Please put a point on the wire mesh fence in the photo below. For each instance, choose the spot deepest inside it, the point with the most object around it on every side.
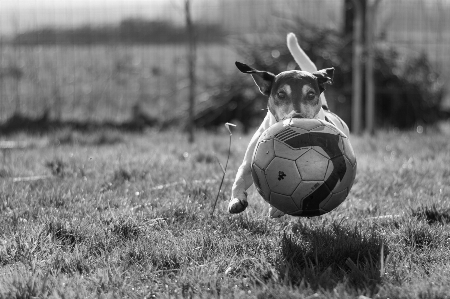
(113, 60)
(418, 26)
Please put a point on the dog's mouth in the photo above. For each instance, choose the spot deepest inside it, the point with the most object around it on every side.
(293, 115)
(296, 116)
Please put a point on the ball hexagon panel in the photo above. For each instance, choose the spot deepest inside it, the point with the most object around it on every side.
(326, 144)
(312, 201)
(283, 150)
(260, 181)
(334, 200)
(272, 131)
(341, 144)
(354, 176)
(311, 204)
(283, 203)
(312, 166)
(264, 153)
(348, 151)
(305, 123)
(294, 137)
(332, 126)
(304, 189)
(282, 176)
(340, 174)
(327, 128)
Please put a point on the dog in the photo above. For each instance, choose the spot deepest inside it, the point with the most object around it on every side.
(291, 94)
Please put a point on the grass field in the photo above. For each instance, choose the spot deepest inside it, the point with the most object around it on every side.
(129, 216)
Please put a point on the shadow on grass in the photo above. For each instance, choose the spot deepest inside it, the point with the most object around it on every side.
(324, 255)
(122, 175)
(254, 226)
(432, 214)
(127, 229)
(100, 137)
(64, 235)
(20, 123)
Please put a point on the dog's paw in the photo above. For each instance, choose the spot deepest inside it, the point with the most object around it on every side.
(237, 205)
(275, 213)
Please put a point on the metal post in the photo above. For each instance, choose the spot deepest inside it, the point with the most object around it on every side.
(370, 81)
(357, 86)
(191, 56)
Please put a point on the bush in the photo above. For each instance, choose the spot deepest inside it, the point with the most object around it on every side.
(408, 90)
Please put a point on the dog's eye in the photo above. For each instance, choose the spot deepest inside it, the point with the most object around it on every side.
(281, 94)
(311, 95)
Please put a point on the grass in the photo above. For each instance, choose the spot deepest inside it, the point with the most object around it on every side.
(128, 215)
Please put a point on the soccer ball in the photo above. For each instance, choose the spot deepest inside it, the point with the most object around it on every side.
(303, 167)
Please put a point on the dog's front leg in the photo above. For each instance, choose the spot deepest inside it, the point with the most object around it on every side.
(244, 179)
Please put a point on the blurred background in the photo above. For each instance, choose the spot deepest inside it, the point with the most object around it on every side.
(147, 63)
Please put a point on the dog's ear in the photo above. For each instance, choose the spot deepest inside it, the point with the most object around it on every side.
(263, 79)
(323, 77)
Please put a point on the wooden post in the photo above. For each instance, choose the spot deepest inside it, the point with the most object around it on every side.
(15, 71)
(371, 7)
(191, 56)
(357, 64)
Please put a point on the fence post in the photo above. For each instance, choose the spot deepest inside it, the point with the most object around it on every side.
(371, 7)
(357, 65)
(191, 56)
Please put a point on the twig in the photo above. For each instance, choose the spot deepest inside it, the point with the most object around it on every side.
(220, 164)
(227, 125)
(164, 186)
(385, 217)
(31, 178)
(382, 260)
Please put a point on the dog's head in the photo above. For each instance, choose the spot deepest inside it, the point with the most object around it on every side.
(291, 93)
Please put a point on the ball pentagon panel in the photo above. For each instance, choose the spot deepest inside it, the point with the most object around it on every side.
(334, 200)
(282, 176)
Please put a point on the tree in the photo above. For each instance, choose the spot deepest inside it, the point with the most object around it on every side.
(359, 24)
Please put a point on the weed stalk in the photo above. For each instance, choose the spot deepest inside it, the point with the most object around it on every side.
(224, 170)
